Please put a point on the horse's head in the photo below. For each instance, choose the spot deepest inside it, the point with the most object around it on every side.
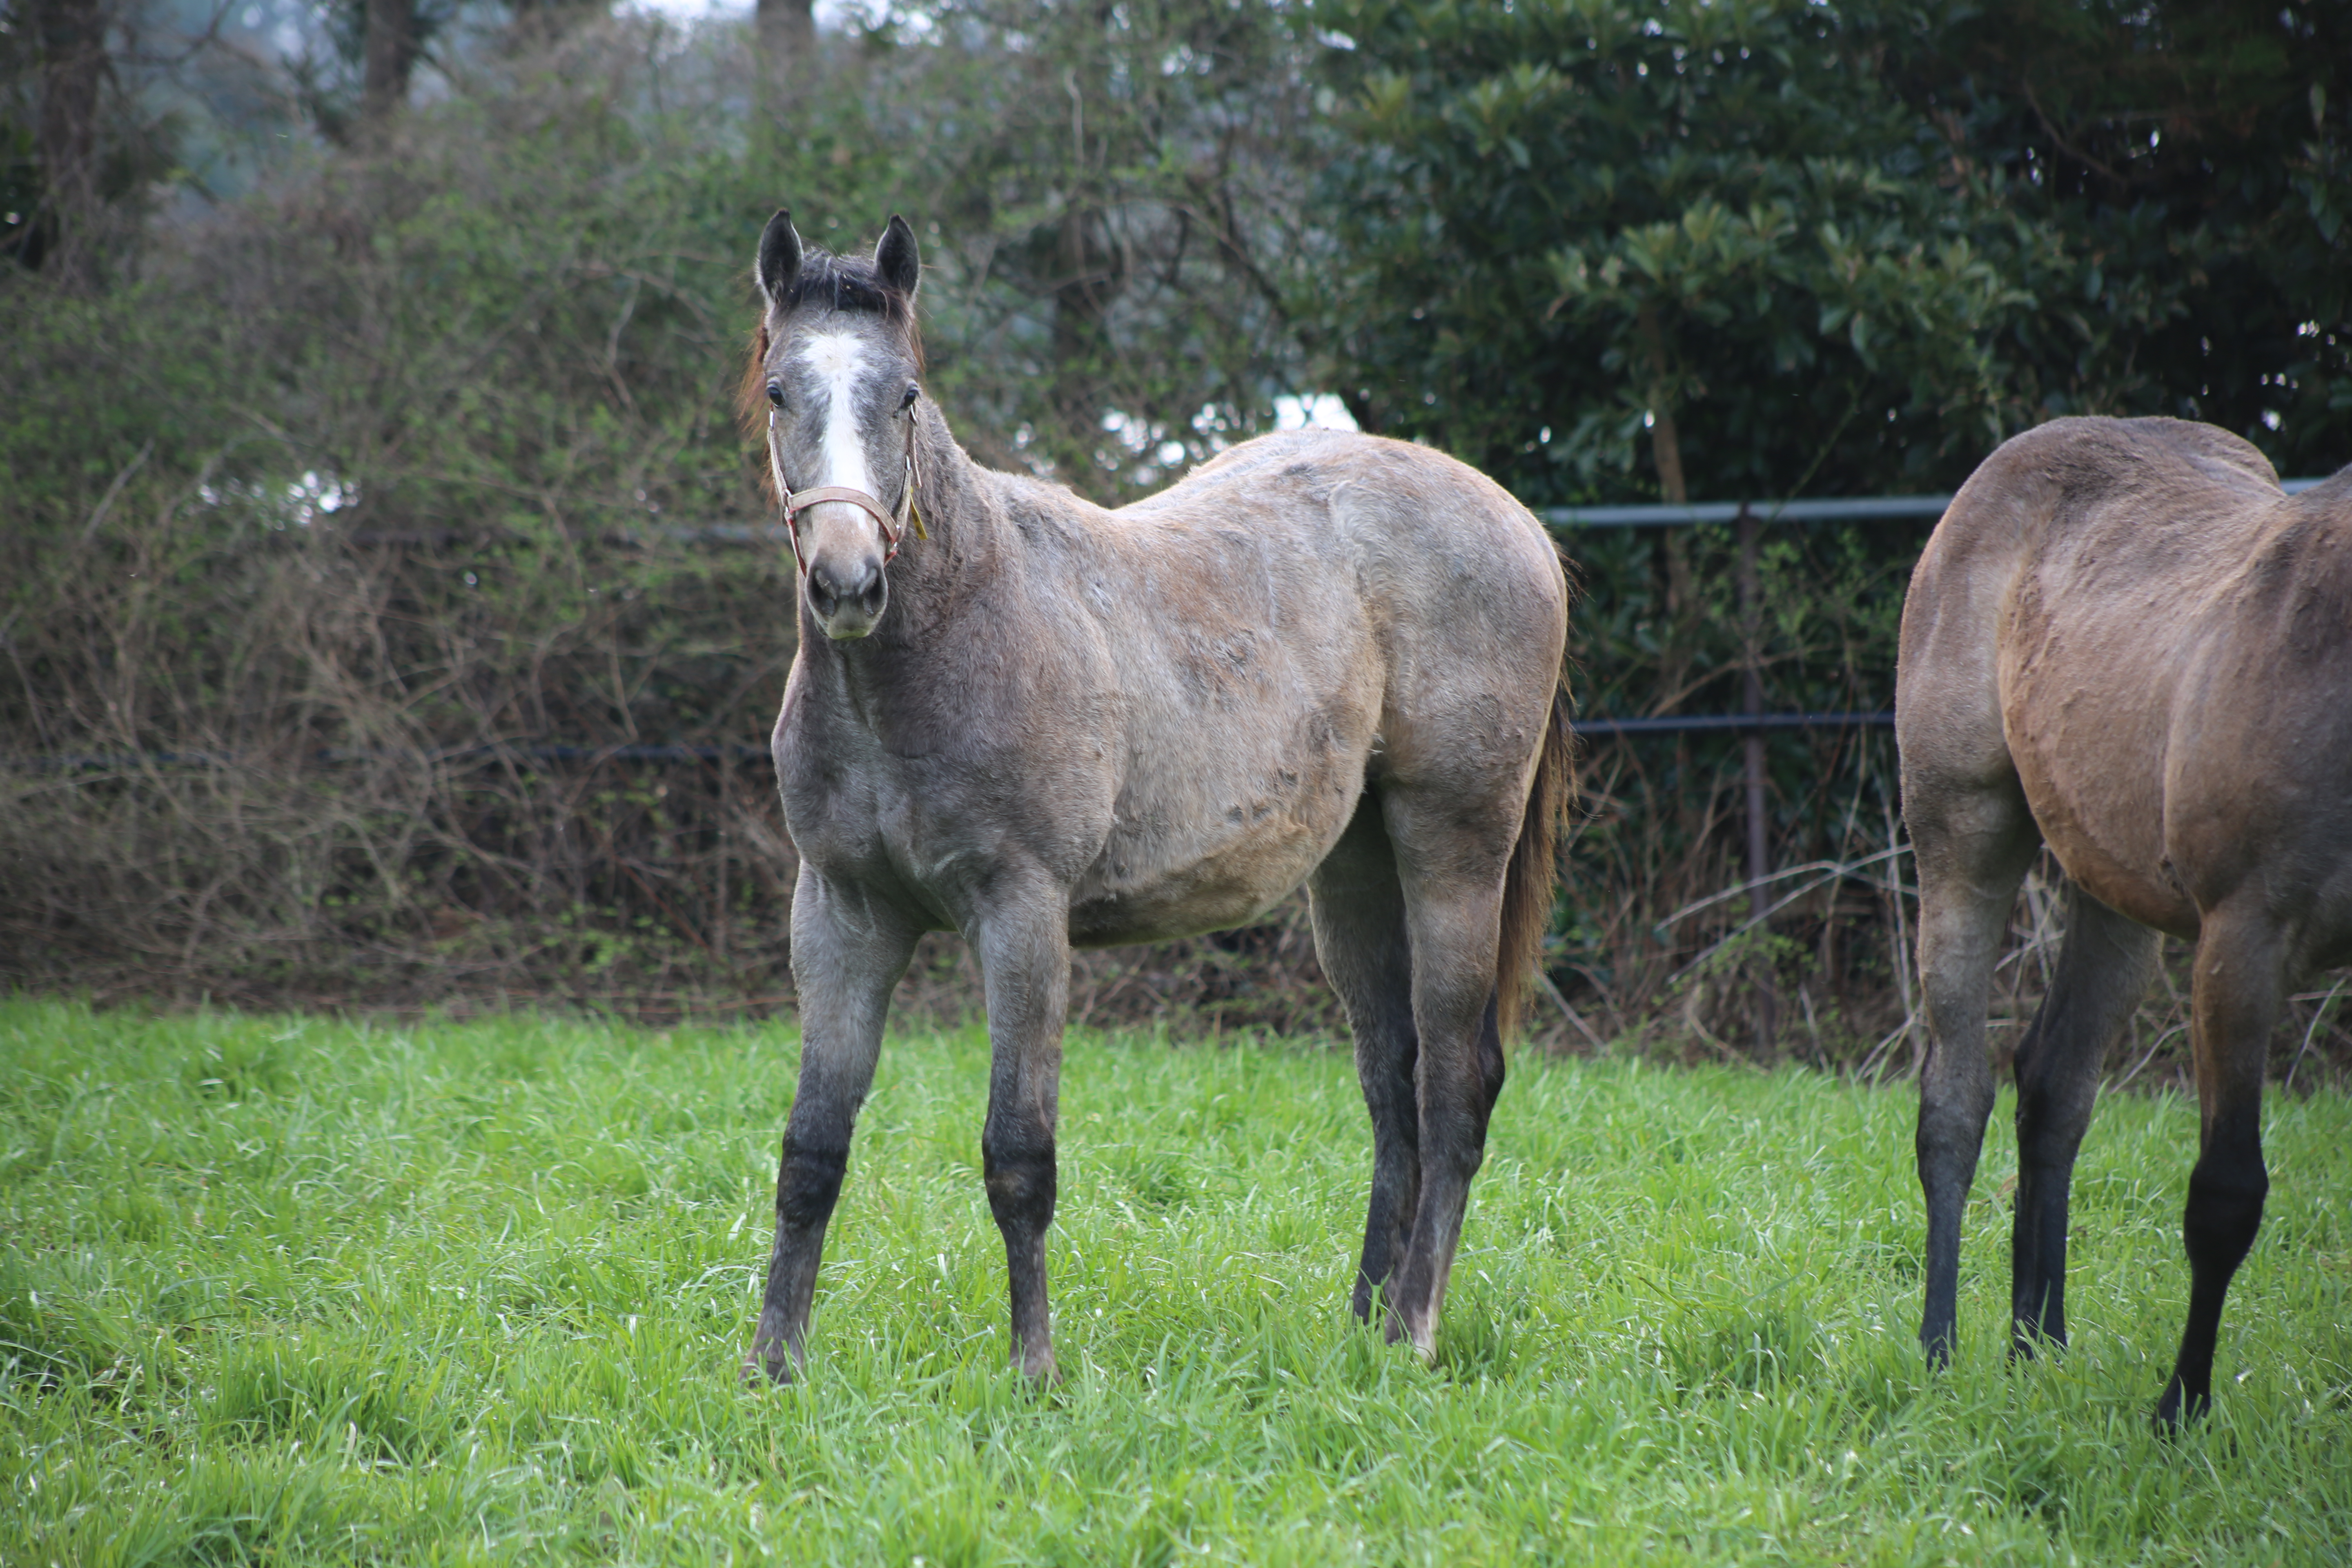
(833, 385)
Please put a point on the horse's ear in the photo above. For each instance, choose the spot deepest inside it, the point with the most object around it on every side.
(779, 258)
(898, 258)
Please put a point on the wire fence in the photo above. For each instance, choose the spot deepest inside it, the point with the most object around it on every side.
(1562, 520)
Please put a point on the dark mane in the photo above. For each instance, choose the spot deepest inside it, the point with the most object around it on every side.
(846, 283)
(836, 283)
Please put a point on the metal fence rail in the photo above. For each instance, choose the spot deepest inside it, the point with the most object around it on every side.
(1748, 515)
(1832, 509)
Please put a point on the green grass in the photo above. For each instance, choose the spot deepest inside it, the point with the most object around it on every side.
(295, 1290)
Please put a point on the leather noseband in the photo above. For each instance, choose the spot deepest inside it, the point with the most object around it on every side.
(894, 525)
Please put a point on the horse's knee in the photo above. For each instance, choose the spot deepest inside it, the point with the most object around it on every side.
(1454, 1135)
(2224, 1210)
(808, 1184)
(1019, 1164)
(1952, 1117)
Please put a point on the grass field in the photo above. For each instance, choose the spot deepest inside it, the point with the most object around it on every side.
(292, 1290)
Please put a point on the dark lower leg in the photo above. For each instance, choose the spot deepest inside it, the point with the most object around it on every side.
(1455, 1099)
(1026, 959)
(2225, 1210)
(1416, 1292)
(2233, 1002)
(1359, 936)
(1951, 1137)
(847, 955)
(1388, 1218)
(1019, 1159)
(1972, 845)
(808, 1184)
(2103, 970)
(2037, 1253)
(1384, 1065)
(1454, 1117)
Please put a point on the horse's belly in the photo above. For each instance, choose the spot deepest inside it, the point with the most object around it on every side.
(1155, 880)
(2090, 755)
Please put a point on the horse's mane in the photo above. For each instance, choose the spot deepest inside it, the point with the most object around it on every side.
(835, 283)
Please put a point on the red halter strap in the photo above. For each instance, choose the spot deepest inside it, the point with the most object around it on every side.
(894, 528)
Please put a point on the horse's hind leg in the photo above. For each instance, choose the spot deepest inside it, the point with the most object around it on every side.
(1022, 940)
(1450, 866)
(1359, 935)
(1973, 840)
(2233, 1005)
(847, 953)
(2102, 969)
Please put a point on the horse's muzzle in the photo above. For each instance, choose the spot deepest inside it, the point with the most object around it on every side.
(849, 598)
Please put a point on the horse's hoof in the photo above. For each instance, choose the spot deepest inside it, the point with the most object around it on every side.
(1041, 1369)
(2177, 1409)
(763, 1370)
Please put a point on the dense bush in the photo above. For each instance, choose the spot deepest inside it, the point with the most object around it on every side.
(374, 541)
(392, 611)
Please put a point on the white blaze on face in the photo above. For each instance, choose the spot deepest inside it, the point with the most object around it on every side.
(837, 360)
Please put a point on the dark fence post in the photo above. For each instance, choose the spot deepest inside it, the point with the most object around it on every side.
(1751, 699)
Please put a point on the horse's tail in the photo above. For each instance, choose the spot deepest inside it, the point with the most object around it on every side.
(1534, 874)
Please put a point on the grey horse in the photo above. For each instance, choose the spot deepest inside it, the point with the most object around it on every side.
(2124, 640)
(1321, 657)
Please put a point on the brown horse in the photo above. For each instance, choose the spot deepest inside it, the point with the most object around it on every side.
(1320, 657)
(2125, 641)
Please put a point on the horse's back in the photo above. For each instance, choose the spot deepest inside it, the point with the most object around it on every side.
(1462, 589)
(1305, 614)
(2109, 610)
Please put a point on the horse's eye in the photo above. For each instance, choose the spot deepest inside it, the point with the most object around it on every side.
(913, 392)
(776, 393)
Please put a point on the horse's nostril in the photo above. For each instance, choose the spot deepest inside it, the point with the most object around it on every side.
(862, 585)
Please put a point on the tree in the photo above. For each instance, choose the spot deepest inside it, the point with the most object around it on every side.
(72, 41)
(1116, 185)
(392, 44)
(1811, 244)
(783, 34)
(2199, 143)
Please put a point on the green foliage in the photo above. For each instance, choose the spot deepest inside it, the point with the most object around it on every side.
(1843, 247)
(2196, 154)
(1808, 248)
(418, 455)
(477, 1293)
(1116, 191)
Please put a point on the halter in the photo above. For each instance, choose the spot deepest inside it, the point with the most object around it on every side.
(894, 525)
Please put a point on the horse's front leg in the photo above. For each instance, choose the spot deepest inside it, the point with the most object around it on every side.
(848, 952)
(1024, 942)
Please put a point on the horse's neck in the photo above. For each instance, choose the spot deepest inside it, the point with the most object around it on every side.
(959, 501)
